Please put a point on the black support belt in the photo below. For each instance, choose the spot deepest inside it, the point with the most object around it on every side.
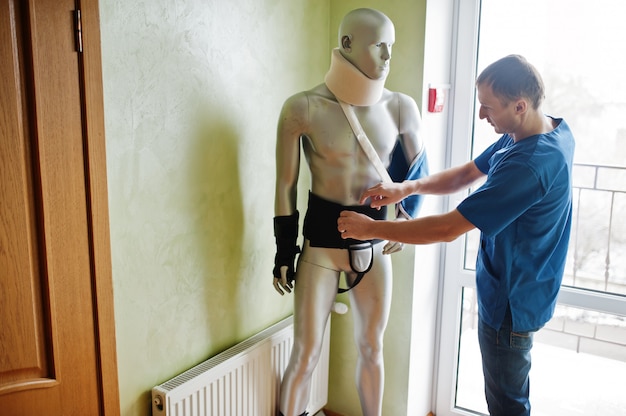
(320, 222)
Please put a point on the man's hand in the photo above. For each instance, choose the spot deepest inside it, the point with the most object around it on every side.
(354, 225)
(360, 227)
(385, 194)
(283, 285)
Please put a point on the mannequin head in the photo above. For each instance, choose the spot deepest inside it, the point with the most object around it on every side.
(365, 40)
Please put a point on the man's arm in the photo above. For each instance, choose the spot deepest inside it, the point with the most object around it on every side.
(424, 230)
(442, 183)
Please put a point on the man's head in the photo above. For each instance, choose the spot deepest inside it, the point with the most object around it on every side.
(365, 40)
(512, 78)
(509, 91)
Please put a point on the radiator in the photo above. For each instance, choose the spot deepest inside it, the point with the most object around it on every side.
(244, 380)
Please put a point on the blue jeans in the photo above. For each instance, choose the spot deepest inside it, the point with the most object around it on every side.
(506, 364)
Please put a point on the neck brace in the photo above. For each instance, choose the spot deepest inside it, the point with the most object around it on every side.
(349, 84)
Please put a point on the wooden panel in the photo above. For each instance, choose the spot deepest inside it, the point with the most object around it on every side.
(23, 341)
(59, 140)
(93, 111)
(57, 326)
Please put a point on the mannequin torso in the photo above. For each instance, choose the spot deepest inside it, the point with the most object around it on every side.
(340, 170)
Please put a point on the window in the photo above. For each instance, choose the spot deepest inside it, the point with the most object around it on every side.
(580, 355)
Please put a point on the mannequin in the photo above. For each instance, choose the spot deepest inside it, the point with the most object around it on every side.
(340, 172)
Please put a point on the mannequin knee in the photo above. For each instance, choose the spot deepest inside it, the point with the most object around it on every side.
(371, 351)
(305, 357)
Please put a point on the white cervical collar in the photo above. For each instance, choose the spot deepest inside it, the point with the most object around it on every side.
(349, 84)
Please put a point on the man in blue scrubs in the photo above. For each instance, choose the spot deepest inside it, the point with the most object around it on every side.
(523, 211)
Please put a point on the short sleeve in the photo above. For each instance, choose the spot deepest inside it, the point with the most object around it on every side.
(483, 160)
(508, 192)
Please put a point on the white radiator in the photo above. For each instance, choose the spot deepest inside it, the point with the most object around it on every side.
(244, 380)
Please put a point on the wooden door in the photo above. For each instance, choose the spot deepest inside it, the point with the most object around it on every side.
(57, 348)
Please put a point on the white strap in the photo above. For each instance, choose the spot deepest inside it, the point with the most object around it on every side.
(364, 141)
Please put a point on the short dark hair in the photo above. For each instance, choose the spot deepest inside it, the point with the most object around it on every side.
(513, 77)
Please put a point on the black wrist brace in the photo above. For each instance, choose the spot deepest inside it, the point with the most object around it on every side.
(286, 233)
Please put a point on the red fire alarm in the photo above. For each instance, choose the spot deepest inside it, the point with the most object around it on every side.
(437, 97)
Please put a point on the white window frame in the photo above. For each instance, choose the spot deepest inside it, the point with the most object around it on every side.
(461, 118)
(465, 42)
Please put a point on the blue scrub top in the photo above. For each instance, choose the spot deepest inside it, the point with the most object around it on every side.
(524, 213)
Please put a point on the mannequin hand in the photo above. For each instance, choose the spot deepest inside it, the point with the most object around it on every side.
(282, 285)
(393, 247)
(286, 234)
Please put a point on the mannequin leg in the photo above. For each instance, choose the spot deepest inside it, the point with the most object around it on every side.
(315, 291)
(371, 302)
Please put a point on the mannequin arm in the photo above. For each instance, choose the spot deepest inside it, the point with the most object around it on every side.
(290, 128)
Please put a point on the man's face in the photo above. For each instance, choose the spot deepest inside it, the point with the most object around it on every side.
(370, 50)
(501, 116)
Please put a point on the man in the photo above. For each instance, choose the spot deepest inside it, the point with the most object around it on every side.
(340, 172)
(523, 211)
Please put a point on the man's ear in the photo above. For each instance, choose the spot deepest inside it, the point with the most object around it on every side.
(521, 106)
(346, 42)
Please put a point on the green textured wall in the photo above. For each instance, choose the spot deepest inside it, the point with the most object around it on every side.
(193, 90)
(192, 95)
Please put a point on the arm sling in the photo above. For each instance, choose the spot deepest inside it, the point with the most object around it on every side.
(362, 254)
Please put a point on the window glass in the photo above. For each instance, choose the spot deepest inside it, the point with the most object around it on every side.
(579, 358)
(577, 46)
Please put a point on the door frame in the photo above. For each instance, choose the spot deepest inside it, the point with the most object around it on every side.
(465, 23)
(90, 70)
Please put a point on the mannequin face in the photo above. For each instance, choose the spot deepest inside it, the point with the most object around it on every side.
(369, 49)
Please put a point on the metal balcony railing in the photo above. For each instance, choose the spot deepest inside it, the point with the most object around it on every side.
(597, 251)
(596, 258)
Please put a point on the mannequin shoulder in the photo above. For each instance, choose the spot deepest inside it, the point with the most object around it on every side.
(300, 102)
(401, 104)
(402, 100)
